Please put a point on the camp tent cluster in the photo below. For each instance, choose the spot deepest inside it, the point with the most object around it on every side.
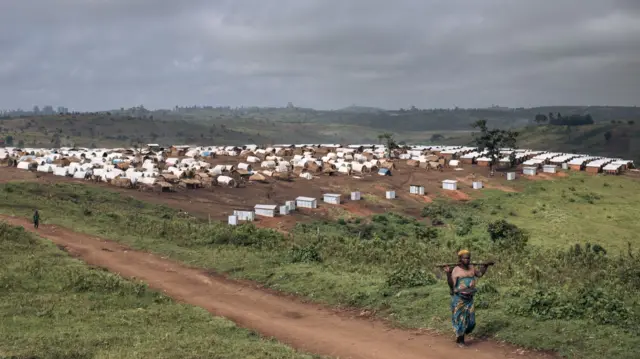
(183, 166)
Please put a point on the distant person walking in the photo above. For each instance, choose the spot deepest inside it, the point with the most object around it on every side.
(36, 219)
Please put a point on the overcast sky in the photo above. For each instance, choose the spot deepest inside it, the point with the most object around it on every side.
(102, 54)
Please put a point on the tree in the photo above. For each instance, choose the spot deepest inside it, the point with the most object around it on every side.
(493, 140)
(607, 136)
(8, 140)
(55, 140)
(389, 141)
(540, 118)
(589, 119)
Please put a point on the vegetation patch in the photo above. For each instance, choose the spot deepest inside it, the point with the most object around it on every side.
(54, 306)
(549, 289)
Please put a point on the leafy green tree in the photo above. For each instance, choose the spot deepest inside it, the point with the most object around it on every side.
(388, 140)
(8, 140)
(492, 140)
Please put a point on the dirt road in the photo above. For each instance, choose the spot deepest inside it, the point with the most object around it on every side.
(307, 327)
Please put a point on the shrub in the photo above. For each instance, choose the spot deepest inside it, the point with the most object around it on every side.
(305, 254)
(410, 277)
(506, 235)
(587, 303)
(425, 233)
(464, 225)
(437, 210)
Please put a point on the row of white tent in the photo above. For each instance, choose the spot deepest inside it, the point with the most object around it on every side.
(571, 159)
(343, 157)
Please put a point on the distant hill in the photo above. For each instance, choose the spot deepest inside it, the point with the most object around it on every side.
(354, 124)
(111, 130)
(361, 109)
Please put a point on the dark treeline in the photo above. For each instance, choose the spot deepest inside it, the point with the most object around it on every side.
(560, 120)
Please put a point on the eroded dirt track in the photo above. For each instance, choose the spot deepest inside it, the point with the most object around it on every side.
(304, 326)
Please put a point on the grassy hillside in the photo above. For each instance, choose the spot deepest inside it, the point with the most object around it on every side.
(351, 125)
(54, 306)
(565, 250)
(112, 130)
(619, 139)
(400, 120)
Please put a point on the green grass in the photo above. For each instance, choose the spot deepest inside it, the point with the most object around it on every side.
(54, 306)
(540, 295)
(576, 209)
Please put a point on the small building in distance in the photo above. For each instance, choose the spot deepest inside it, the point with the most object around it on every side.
(306, 202)
(266, 210)
(451, 185)
(244, 215)
(284, 210)
(613, 168)
(332, 198)
(416, 189)
(483, 161)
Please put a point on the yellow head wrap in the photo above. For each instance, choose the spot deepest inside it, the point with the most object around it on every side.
(463, 252)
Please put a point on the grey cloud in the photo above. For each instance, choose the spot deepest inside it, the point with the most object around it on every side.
(97, 54)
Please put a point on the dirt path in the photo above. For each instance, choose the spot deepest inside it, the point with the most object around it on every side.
(307, 327)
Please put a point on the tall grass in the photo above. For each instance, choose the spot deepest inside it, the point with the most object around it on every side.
(578, 299)
(54, 306)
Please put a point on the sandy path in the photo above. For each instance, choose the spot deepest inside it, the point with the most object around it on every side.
(304, 326)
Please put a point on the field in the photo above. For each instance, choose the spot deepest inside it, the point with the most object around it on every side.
(565, 246)
(54, 306)
(557, 200)
(220, 202)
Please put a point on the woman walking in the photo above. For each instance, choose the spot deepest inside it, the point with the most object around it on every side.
(462, 281)
(36, 219)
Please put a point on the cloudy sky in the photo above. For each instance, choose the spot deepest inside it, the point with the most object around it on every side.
(101, 54)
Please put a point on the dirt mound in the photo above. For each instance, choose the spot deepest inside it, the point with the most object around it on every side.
(458, 195)
(356, 208)
(282, 224)
(427, 199)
